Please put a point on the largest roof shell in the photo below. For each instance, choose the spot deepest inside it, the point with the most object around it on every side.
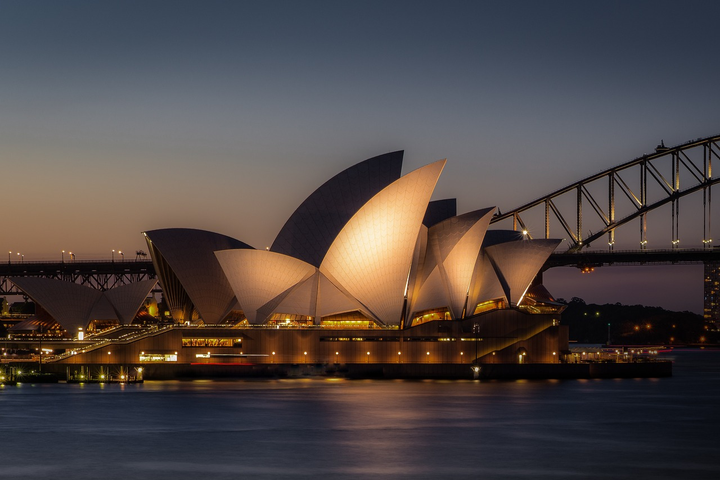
(372, 255)
(312, 228)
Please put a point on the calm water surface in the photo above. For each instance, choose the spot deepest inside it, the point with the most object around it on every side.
(308, 428)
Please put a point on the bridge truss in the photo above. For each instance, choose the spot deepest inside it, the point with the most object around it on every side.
(651, 190)
(101, 275)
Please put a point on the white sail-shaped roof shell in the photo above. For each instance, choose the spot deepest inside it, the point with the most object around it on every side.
(103, 310)
(516, 264)
(127, 299)
(189, 256)
(332, 300)
(485, 284)
(68, 303)
(456, 243)
(372, 255)
(258, 277)
(433, 293)
(311, 229)
(302, 300)
(417, 270)
(73, 305)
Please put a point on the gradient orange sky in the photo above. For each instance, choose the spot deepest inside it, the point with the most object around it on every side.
(119, 117)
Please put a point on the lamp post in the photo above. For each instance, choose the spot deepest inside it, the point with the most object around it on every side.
(40, 330)
(475, 331)
(122, 255)
(62, 256)
(113, 256)
(9, 253)
(608, 341)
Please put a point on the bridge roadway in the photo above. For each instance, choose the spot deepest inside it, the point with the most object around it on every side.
(597, 258)
(99, 274)
(103, 274)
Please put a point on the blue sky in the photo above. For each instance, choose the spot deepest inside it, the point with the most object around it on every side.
(119, 117)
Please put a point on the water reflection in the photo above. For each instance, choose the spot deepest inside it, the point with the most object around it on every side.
(332, 427)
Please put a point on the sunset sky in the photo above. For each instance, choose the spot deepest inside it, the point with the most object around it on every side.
(119, 117)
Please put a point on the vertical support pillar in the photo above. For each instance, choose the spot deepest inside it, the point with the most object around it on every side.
(611, 209)
(707, 196)
(676, 201)
(579, 215)
(547, 218)
(705, 238)
(643, 202)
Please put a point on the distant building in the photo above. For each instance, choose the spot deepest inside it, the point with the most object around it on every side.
(711, 290)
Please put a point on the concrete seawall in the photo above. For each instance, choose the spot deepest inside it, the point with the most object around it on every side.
(393, 371)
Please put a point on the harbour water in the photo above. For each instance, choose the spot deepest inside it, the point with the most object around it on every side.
(329, 428)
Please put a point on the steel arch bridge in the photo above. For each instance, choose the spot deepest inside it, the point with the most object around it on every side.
(651, 190)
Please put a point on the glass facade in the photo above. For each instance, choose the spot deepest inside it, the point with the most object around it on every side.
(352, 319)
(431, 315)
(158, 357)
(211, 342)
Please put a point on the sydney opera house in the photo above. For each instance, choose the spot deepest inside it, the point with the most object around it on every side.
(366, 270)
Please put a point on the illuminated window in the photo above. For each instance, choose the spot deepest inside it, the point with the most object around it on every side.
(158, 357)
(211, 342)
(354, 320)
(430, 316)
(488, 306)
(290, 320)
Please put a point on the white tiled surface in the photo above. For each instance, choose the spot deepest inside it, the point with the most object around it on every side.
(259, 276)
(372, 254)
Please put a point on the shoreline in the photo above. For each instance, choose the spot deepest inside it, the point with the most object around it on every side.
(390, 371)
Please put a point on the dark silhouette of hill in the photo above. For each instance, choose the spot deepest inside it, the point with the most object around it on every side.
(635, 325)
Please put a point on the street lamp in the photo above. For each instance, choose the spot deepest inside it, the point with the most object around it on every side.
(476, 327)
(62, 256)
(9, 257)
(608, 342)
(122, 255)
(113, 255)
